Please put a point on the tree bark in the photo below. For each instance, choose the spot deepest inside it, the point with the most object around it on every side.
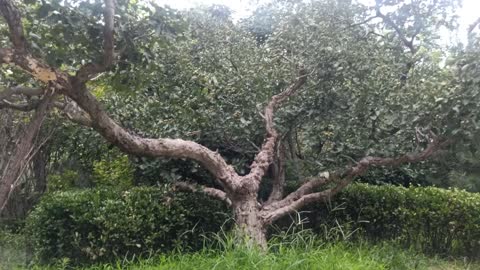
(23, 150)
(249, 223)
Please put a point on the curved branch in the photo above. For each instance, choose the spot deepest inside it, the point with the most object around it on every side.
(20, 90)
(89, 70)
(265, 157)
(24, 107)
(14, 21)
(473, 26)
(401, 35)
(303, 195)
(74, 113)
(308, 187)
(212, 192)
(23, 149)
(130, 143)
(278, 175)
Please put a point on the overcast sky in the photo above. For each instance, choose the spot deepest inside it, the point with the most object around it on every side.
(242, 8)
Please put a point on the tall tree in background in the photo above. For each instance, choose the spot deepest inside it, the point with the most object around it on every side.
(336, 69)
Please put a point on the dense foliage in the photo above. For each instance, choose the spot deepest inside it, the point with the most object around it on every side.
(429, 219)
(101, 225)
(197, 75)
(380, 83)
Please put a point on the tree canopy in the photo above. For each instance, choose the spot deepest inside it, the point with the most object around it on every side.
(300, 94)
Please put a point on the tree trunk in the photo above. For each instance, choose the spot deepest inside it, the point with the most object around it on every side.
(249, 224)
(23, 150)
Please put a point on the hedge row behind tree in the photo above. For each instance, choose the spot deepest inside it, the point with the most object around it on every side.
(99, 225)
(429, 219)
(104, 225)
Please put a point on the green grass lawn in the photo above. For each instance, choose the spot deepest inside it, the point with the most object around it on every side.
(327, 256)
(295, 251)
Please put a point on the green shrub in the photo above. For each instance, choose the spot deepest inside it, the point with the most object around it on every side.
(12, 248)
(429, 219)
(101, 225)
(115, 172)
(63, 181)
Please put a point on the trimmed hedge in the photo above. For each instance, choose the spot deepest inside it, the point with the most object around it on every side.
(433, 220)
(102, 225)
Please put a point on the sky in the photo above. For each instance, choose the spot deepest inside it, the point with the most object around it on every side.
(468, 13)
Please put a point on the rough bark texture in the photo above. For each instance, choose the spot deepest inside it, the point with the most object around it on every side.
(23, 151)
(249, 224)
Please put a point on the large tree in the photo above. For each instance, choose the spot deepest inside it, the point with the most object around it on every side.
(336, 80)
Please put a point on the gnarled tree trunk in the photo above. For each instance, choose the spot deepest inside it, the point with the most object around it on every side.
(249, 224)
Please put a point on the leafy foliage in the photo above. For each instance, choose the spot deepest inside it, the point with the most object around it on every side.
(429, 219)
(101, 225)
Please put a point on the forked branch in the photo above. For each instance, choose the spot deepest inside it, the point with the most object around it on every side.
(305, 194)
(212, 192)
(266, 155)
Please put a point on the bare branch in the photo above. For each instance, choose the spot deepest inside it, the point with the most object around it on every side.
(278, 181)
(23, 150)
(14, 21)
(74, 113)
(473, 25)
(303, 195)
(361, 23)
(265, 157)
(20, 90)
(24, 107)
(133, 144)
(213, 192)
(108, 14)
(401, 35)
(308, 187)
(296, 205)
(89, 70)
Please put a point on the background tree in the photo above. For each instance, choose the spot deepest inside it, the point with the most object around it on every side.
(200, 73)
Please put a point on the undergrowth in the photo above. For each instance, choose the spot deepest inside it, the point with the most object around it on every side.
(301, 250)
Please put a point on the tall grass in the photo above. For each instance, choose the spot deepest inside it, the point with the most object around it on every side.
(300, 250)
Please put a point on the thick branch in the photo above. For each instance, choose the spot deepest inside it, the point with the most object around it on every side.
(74, 113)
(401, 35)
(23, 149)
(108, 14)
(308, 187)
(130, 143)
(265, 157)
(473, 25)
(212, 192)
(20, 90)
(89, 70)
(14, 21)
(303, 195)
(24, 107)
(278, 175)
(29, 64)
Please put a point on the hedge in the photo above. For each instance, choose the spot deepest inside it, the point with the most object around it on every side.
(103, 225)
(433, 220)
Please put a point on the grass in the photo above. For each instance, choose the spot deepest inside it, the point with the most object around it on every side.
(300, 251)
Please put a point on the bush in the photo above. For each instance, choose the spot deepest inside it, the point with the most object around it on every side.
(101, 225)
(12, 248)
(104, 225)
(429, 219)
